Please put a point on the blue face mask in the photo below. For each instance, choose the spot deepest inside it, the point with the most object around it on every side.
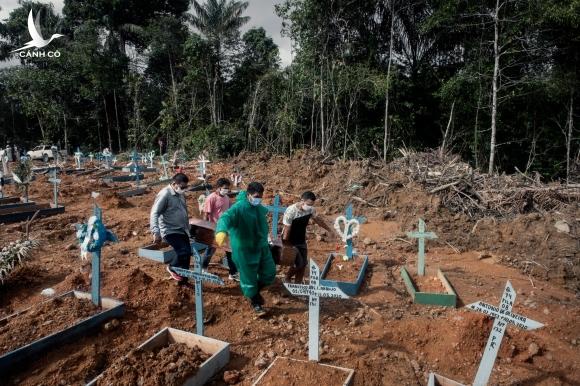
(255, 201)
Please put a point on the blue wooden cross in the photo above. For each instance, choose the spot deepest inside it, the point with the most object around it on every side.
(314, 291)
(92, 236)
(55, 181)
(199, 277)
(361, 220)
(276, 209)
(421, 235)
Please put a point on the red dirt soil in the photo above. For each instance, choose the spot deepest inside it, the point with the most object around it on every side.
(171, 365)
(42, 320)
(299, 373)
(380, 333)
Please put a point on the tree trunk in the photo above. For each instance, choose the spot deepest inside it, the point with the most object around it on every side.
(65, 133)
(108, 124)
(386, 138)
(322, 136)
(494, 89)
(446, 135)
(569, 136)
(117, 120)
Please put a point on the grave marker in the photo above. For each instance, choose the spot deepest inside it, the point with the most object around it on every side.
(422, 236)
(55, 181)
(314, 291)
(198, 276)
(107, 158)
(135, 166)
(91, 156)
(151, 158)
(351, 228)
(78, 159)
(164, 163)
(503, 316)
(92, 236)
(276, 209)
(202, 168)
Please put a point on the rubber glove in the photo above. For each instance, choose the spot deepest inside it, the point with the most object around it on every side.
(220, 238)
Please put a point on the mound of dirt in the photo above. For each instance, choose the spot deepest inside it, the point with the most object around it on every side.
(170, 365)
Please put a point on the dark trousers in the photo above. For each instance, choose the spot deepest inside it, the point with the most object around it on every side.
(209, 252)
(182, 247)
(300, 264)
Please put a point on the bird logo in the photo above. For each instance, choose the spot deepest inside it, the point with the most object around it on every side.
(37, 40)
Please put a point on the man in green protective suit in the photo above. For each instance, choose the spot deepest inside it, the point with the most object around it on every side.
(247, 227)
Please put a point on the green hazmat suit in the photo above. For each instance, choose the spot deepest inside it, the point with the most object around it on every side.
(247, 227)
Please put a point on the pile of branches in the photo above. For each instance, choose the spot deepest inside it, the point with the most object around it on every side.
(467, 190)
(14, 254)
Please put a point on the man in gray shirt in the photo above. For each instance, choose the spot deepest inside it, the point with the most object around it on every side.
(169, 221)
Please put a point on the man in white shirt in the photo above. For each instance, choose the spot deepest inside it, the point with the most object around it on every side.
(296, 219)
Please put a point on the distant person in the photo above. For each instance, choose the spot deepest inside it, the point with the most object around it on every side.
(8, 153)
(169, 221)
(247, 227)
(214, 206)
(296, 219)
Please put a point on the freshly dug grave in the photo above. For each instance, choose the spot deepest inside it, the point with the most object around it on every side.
(43, 320)
(429, 284)
(300, 373)
(346, 271)
(170, 365)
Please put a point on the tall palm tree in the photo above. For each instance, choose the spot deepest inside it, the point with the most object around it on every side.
(219, 21)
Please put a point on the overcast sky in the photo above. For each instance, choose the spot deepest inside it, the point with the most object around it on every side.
(261, 12)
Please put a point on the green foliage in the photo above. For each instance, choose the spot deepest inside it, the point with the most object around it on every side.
(217, 141)
(133, 72)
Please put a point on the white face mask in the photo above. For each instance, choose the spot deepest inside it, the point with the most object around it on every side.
(255, 201)
(224, 192)
(178, 190)
(306, 207)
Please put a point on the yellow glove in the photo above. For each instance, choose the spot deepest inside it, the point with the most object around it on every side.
(220, 238)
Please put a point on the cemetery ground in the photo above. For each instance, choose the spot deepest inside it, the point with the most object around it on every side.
(380, 333)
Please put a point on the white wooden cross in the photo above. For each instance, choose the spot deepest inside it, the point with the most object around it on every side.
(421, 235)
(5, 168)
(202, 161)
(503, 316)
(314, 291)
(151, 158)
(78, 158)
(164, 164)
(55, 181)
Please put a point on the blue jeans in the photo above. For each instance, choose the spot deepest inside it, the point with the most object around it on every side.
(182, 247)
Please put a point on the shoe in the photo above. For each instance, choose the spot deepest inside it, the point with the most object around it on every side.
(173, 275)
(259, 299)
(258, 310)
(234, 277)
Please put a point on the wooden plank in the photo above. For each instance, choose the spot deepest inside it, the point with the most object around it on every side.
(133, 192)
(219, 351)
(349, 373)
(448, 299)
(155, 252)
(9, 200)
(408, 282)
(17, 205)
(439, 380)
(15, 359)
(23, 213)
